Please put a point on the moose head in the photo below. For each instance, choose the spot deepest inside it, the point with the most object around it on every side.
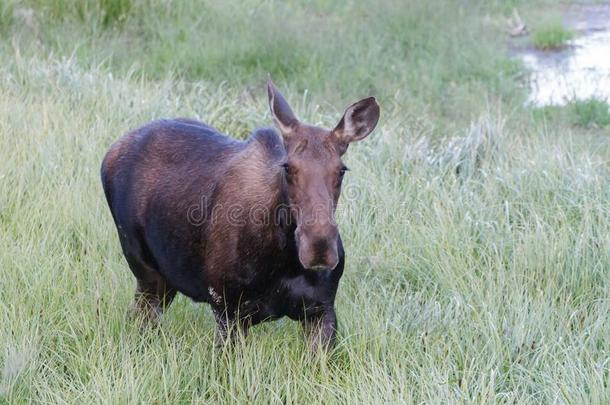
(313, 173)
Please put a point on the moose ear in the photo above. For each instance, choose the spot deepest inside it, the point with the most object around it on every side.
(284, 118)
(357, 122)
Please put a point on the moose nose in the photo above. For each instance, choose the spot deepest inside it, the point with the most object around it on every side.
(317, 253)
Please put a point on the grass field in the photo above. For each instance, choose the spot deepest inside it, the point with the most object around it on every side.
(477, 231)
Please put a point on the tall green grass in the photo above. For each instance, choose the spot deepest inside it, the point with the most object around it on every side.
(551, 35)
(590, 113)
(477, 238)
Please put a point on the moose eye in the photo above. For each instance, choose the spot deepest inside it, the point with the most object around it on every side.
(343, 170)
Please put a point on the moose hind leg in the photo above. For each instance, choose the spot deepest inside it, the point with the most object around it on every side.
(229, 328)
(152, 298)
(153, 294)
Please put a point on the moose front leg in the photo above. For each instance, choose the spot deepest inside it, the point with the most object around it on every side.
(228, 327)
(321, 329)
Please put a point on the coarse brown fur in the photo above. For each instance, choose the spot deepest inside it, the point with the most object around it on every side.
(247, 226)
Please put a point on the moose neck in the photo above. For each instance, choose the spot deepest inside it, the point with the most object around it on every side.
(284, 217)
(254, 182)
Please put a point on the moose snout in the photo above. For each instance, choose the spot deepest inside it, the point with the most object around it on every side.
(318, 252)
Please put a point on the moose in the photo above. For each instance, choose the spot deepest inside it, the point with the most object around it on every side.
(246, 226)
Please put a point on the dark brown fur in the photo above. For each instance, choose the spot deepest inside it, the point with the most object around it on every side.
(245, 226)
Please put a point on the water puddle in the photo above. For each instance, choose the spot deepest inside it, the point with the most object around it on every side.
(579, 71)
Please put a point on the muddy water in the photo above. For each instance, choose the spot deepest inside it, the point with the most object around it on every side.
(579, 71)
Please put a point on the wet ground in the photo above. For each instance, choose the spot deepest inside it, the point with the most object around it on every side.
(581, 70)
